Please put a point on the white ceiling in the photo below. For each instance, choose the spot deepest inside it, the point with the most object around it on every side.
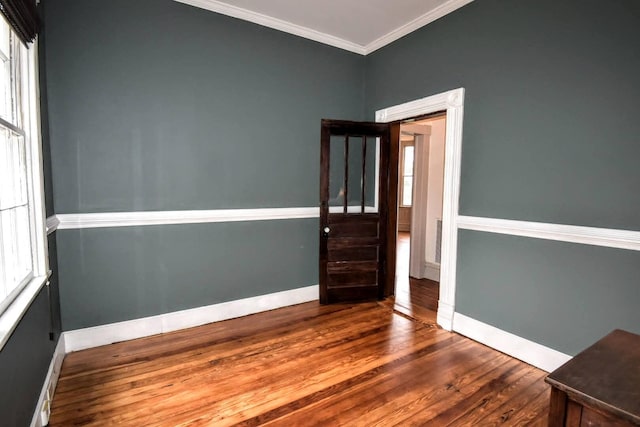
(360, 26)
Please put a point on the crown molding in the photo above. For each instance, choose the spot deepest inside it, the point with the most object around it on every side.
(276, 24)
(308, 33)
(419, 22)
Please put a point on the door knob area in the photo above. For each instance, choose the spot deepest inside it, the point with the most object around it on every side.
(326, 230)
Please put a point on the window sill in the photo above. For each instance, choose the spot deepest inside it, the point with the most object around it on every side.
(10, 318)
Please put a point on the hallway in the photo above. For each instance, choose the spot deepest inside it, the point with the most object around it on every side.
(417, 298)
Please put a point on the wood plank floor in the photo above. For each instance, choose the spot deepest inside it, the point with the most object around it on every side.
(416, 298)
(305, 365)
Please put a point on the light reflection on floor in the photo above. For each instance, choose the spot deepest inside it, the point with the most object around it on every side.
(415, 298)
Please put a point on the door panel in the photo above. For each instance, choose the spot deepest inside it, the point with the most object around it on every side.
(353, 253)
(356, 226)
(362, 278)
(355, 231)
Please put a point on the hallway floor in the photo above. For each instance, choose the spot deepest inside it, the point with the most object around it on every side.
(417, 298)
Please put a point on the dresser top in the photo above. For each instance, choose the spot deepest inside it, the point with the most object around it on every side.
(605, 375)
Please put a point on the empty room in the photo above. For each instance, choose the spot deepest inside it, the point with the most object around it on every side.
(208, 214)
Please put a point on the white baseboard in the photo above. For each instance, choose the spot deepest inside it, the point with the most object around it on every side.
(445, 315)
(530, 352)
(431, 271)
(80, 339)
(41, 413)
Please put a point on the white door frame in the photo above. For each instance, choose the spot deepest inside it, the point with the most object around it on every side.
(453, 103)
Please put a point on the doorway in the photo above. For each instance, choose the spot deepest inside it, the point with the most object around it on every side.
(453, 103)
(420, 196)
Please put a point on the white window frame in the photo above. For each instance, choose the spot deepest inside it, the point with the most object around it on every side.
(11, 316)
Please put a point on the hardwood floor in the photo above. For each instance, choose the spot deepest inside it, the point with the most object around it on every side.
(416, 298)
(305, 365)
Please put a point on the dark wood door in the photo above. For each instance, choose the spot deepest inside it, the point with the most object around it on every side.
(358, 210)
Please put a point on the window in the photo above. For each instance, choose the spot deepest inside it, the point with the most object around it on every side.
(406, 182)
(22, 249)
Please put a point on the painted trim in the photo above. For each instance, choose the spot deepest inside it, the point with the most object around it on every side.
(318, 36)
(15, 311)
(453, 103)
(612, 238)
(35, 179)
(129, 219)
(431, 271)
(607, 237)
(80, 339)
(52, 224)
(429, 17)
(530, 352)
(418, 247)
(276, 24)
(444, 317)
(41, 414)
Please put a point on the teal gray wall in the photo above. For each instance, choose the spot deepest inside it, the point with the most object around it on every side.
(550, 125)
(550, 135)
(112, 275)
(156, 105)
(24, 362)
(562, 295)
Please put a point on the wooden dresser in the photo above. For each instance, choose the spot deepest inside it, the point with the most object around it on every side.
(600, 386)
